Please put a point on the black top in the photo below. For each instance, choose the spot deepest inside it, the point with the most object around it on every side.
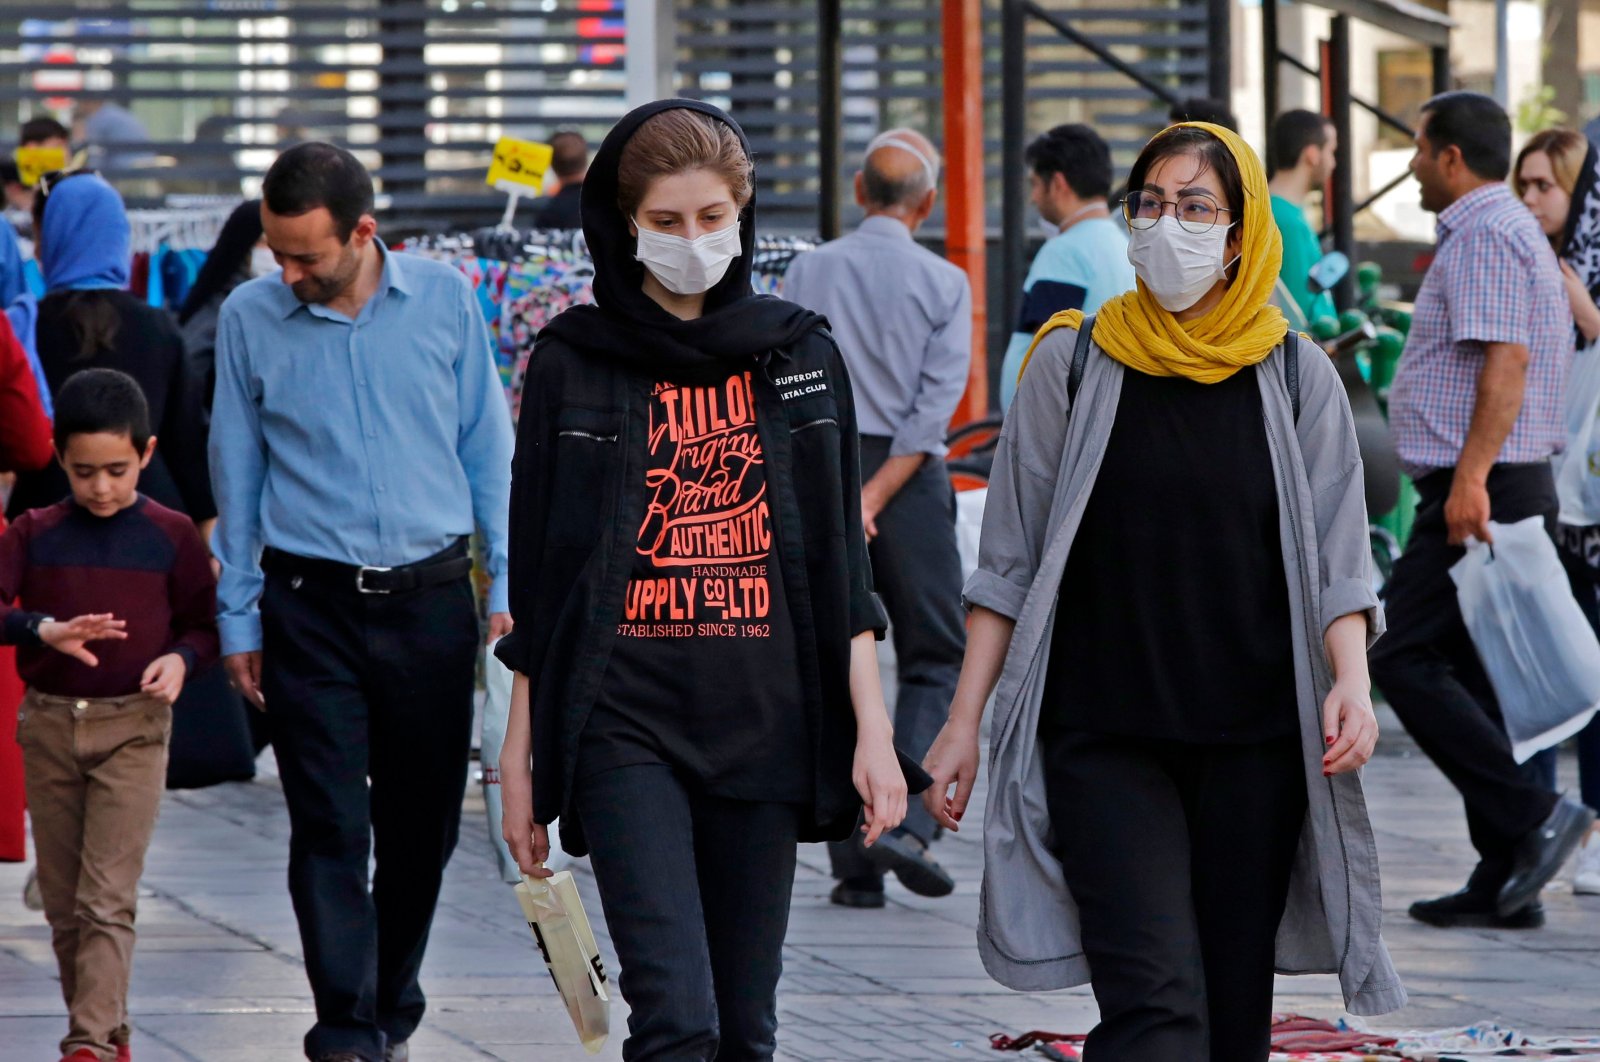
(704, 671)
(149, 348)
(1173, 615)
(564, 210)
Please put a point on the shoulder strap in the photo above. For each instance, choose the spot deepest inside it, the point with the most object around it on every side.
(1291, 370)
(1080, 358)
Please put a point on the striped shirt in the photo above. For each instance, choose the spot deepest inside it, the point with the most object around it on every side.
(1494, 279)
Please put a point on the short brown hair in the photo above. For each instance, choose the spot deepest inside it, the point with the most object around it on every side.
(678, 141)
(1566, 148)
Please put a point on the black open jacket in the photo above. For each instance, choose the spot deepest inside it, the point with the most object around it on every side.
(578, 494)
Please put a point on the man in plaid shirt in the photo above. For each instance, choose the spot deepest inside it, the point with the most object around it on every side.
(1476, 410)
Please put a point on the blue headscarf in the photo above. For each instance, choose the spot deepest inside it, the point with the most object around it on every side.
(85, 243)
(21, 307)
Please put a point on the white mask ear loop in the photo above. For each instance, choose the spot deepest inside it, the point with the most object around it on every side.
(884, 140)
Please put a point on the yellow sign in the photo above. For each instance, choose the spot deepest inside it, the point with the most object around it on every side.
(33, 161)
(519, 162)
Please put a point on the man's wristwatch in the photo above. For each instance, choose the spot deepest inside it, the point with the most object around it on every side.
(33, 625)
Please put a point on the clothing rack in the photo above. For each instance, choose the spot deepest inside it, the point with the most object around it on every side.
(182, 228)
(525, 277)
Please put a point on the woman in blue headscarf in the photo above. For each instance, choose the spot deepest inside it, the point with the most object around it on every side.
(20, 307)
(87, 320)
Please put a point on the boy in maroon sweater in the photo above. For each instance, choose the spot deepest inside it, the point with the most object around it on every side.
(136, 581)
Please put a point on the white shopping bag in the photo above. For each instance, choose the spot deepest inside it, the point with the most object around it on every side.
(1539, 652)
(969, 528)
(496, 710)
(1578, 466)
(555, 914)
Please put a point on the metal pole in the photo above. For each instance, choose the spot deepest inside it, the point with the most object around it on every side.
(1502, 53)
(403, 96)
(965, 224)
(1219, 63)
(1014, 168)
(830, 114)
(1441, 70)
(1336, 66)
(1271, 87)
(650, 41)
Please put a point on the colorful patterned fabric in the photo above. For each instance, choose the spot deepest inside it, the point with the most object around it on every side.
(1494, 279)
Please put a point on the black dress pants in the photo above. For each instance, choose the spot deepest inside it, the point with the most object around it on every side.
(1178, 856)
(916, 568)
(369, 700)
(696, 895)
(1430, 674)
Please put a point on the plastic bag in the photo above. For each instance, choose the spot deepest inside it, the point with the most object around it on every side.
(969, 528)
(1578, 467)
(496, 710)
(1539, 652)
(555, 914)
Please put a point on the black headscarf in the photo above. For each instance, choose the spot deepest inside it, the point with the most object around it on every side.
(626, 324)
(227, 260)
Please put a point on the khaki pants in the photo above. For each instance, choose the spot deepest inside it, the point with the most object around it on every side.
(94, 770)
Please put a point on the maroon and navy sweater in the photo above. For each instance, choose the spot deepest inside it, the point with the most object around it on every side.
(146, 565)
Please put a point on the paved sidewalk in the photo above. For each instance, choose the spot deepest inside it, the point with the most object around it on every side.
(218, 971)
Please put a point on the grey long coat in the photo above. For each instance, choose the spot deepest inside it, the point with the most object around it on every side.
(1045, 466)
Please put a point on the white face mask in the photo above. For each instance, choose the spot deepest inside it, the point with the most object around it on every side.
(262, 262)
(688, 267)
(1178, 266)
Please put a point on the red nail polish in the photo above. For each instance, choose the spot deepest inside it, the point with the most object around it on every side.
(1330, 739)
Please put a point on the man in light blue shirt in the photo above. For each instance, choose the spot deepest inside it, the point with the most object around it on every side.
(1086, 261)
(359, 435)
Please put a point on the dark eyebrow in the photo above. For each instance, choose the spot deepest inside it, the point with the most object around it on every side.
(1208, 193)
(1156, 188)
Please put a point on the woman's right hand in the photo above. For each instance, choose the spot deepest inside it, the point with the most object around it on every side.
(953, 758)
(529, 841)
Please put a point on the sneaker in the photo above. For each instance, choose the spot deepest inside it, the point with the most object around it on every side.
(911, 862)
(1475, 910)
(1586, 868)
(863, 893)
(397, 1052)
(32, 898)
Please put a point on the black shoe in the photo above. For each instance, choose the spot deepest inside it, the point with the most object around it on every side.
(864, 893)
(1475, 910)
(912, 863)
(1540, 855)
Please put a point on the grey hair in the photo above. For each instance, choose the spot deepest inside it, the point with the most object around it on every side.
(885, 192)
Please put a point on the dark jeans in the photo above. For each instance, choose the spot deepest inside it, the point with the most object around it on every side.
(696, 896)
(370, 704)
(917, 569)
(1584, 575)
(1429, 671)
(1178, 856)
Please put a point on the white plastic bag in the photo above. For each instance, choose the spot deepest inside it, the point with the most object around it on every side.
(555, 914)
(969, 528)
(1578, 466)
(1539, 652)
(496, 710)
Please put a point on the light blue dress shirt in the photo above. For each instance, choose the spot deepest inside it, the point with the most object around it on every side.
(379, 440)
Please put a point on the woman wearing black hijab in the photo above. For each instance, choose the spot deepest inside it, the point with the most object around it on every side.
(238, 255)
(693, 602)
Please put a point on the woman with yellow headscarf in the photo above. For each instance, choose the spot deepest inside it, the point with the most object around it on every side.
(1172, 608)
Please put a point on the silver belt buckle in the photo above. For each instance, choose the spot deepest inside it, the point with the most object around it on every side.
(361, 579)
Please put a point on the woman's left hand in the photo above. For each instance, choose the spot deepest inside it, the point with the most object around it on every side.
(1584, 312)
(1349, 727)
(881, 783)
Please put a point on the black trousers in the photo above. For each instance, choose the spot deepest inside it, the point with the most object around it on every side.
(696, 896)
(1178, 856)
(917, 569)
(1429, 671)
(369, 700)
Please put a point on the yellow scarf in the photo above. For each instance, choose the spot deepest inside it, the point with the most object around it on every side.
(1242, 330)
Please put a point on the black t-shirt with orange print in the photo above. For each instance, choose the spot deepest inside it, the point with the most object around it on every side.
(701, 676)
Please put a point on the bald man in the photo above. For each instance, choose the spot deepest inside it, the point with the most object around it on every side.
(903, 319)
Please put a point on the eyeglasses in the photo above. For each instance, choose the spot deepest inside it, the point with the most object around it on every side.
(48, 181)
(1196, 212)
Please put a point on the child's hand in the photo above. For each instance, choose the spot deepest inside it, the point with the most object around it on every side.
(163, 679)
(69, 636)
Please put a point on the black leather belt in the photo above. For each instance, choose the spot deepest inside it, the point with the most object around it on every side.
(447, 565)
